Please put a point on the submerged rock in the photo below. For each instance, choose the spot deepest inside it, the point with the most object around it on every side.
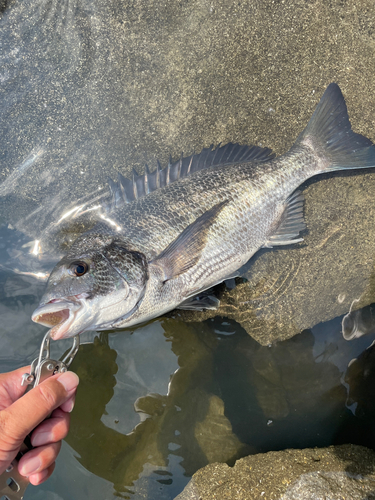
(214, 434)
(334, 473)
(294, 288)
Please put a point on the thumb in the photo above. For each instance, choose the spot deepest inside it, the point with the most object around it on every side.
(20, 418)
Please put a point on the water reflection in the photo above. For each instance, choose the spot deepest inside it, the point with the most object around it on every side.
(186, 425)
(155, 406)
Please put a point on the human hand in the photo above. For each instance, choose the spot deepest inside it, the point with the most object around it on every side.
(21, 415)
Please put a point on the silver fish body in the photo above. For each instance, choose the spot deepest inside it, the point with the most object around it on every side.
(153, 253)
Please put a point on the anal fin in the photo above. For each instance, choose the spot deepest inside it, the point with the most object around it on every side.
(292, 223)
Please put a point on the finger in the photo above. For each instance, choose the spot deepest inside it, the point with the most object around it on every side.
(40, 477)
(51, 430)
(38, 459)
(11, 382)
(19, 419)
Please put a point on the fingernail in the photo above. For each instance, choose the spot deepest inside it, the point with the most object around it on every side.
(69, 380)
(68, 405)
(39, 477)
(30, 466)
(42, 438)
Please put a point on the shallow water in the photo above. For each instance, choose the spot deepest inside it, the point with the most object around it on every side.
(90, 88)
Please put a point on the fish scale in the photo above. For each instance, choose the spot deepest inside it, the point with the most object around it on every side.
(169, 235)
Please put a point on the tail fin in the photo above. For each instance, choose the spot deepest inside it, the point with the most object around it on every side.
(330, 134)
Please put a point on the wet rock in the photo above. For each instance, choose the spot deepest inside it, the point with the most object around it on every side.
(214, 434)
(338, 473)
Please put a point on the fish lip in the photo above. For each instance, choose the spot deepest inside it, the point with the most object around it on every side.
(68, 309)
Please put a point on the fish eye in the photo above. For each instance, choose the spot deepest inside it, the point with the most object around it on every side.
(78, 268)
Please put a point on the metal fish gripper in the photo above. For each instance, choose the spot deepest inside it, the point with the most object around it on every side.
(12, 483)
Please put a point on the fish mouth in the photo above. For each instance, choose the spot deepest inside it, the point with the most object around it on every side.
(59, 315)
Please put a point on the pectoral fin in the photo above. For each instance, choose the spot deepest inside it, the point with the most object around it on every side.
(185, 251)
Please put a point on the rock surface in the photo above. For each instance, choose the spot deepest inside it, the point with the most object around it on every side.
(345, 472)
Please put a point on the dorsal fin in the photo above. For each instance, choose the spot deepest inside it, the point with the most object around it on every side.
(126, 190)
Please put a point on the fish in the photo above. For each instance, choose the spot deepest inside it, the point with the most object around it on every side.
(162, 239)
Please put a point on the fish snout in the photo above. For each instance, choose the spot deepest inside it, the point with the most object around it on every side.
(58, 315)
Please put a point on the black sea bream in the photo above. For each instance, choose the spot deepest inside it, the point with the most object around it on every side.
(169, 235)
